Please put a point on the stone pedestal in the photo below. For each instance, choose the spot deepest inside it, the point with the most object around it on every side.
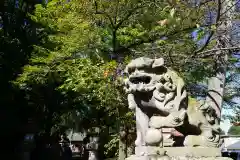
(158, 157)
(177, 153)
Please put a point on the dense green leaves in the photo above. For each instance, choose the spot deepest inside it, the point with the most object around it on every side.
(234, 130)
(17, 35)
(73, 75)
(75, 72)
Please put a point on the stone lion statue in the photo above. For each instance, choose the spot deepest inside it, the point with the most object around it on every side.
(159, 99)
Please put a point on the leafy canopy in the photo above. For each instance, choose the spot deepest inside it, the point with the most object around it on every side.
(85, 44)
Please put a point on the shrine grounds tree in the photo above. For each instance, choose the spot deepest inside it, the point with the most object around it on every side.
(75, 72)
(16, 38)
(71, 56)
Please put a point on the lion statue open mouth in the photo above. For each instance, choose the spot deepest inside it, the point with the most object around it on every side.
(150, 78)
(158, 96)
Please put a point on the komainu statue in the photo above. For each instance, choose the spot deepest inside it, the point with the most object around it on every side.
(159, 99)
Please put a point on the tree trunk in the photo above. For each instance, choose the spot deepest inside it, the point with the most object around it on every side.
(122, 150)
(216, 84)
(122, 143)
(216, 91)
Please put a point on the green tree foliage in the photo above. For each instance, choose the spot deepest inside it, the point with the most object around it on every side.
(17, 35)
(234, 130)
(68, 56)
(75, 69)
(234, 117)
(61, 85)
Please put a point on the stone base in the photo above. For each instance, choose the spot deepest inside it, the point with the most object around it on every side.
(158, 157)
(177, 153)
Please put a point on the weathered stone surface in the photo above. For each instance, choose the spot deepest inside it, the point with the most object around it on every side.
(156, 157)
(153, 136)
(152, 90)
(159, 99)
(178, 151)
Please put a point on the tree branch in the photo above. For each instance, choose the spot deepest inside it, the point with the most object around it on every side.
(211, 52)
(103, 13)
(204, 2)
(231, 7)
(127, 16)
(211, 32)
(152, 39)
(170, 55)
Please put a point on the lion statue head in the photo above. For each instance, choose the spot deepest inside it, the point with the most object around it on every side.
(154, 85)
